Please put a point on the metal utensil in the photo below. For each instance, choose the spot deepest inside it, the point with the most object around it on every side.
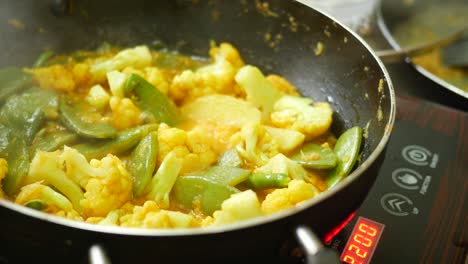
(453, 42)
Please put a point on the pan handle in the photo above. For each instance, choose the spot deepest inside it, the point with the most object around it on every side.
(314, 250)
(97, 255)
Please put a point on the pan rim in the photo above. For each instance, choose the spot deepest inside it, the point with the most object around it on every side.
(250, 223)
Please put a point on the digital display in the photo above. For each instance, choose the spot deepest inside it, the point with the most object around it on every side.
(362, 242)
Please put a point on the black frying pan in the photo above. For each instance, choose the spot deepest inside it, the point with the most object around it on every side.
(347, 75)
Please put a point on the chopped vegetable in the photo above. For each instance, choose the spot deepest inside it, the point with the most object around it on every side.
(98, 97)
(43, 58)
(296, 113)
(71, 117)
(12, 80)
(240, 206)
(152, 101)
(221, 109)
(25, 113)
(164, 179)
(287, 139)
(143, 162)
(261, 181)
(260, 92)
(314, 156)
(39, 196)
(230, 158)
(116, 81)
(138, 57)
(209, 194)
(227, 175)
(281, 164)
(52, 138)
(46, 167)
(124, 141)
(347, 150)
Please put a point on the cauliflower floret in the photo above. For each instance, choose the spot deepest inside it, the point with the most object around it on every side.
(3, 173)
(54, 77)
(239, 206)
(297, 192)
(82, 74)
(200, 143)
(217, 77)
(296, 113)
(125, 113)
(52, 202)
(138, 57)
(154, 76)
(191, 147)
(255, 144)
(281, 164)
(151, 216)
(112, 218)
(282, 84)
(107, 183)
(107, 191)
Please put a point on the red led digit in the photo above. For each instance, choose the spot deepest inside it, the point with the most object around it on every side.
(349, 259)
(359, 251)
(371, 231)
(362, 241)
(359, 239)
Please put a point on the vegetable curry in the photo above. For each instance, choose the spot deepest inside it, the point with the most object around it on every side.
(151, 138)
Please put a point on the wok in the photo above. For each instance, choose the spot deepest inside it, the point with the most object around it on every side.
(346, 74)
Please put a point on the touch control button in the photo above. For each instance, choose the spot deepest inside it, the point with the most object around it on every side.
(419, 156)
(397, 204)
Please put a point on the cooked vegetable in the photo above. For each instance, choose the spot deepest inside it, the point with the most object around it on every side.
(297, 192)
(143, 162)
(315, 157)
(261, 181)
(156, 139)
(40, 197)
(347, 150)
(260, 92)
(281, 164)
(238, 207)
(43, 58)
(227, 175)
(12, 80)
(25, 113)
(221, 109)
(138, 57)
(164, 179)
(52, 137)
(206, 194)
(124, 141)
(72, 118)
(296, 113)
(152, 101)
(230, 158)
(46, 167)
(98, 97)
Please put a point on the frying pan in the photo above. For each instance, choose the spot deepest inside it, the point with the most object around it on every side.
(347, 75)
(430, 19)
